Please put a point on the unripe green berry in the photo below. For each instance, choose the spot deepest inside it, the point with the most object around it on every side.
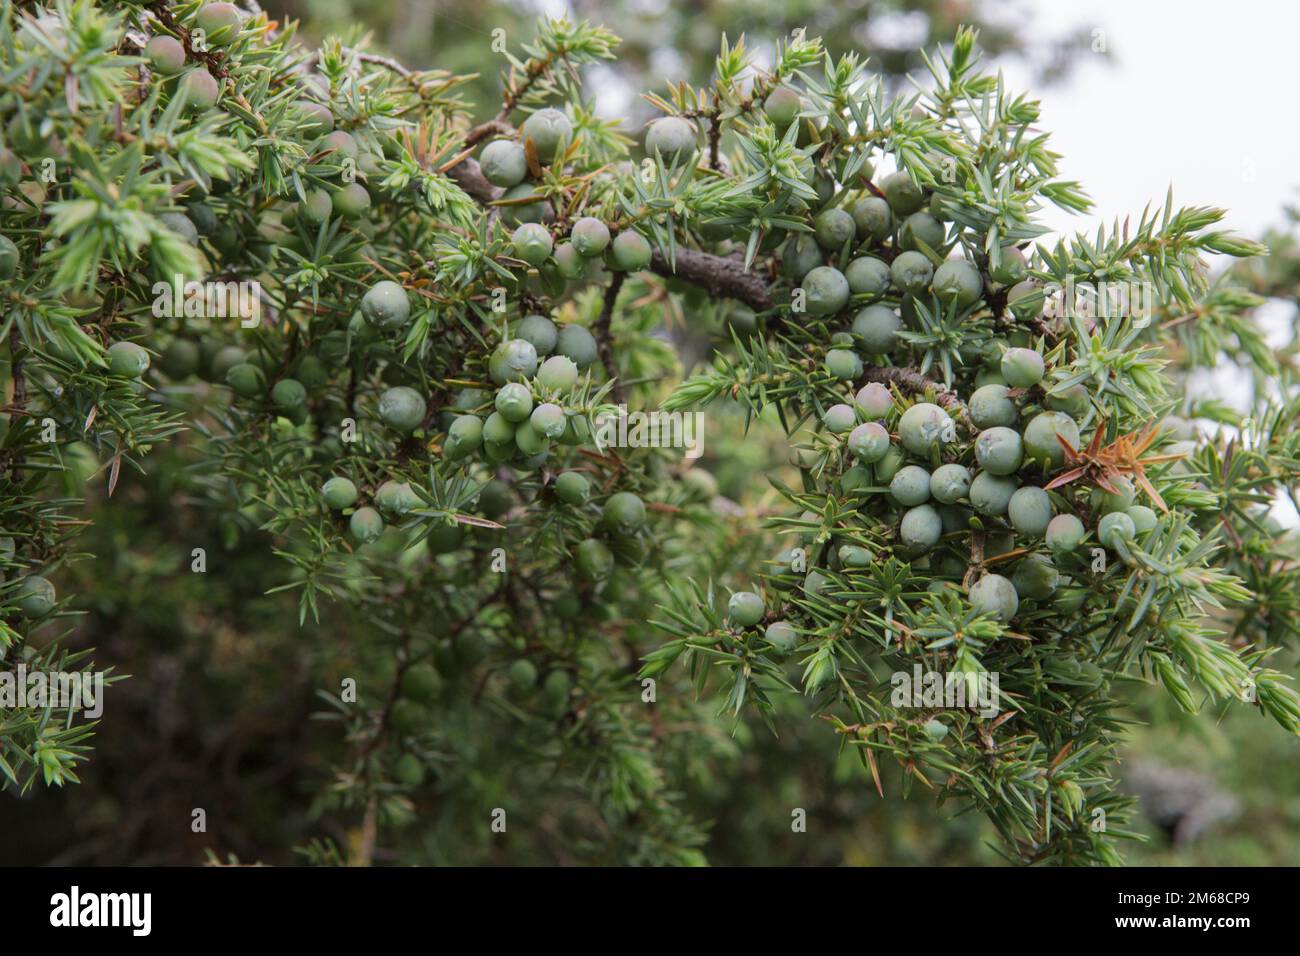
(1114, 528)
(503, 163)
(832, 228)
(1144, 519)
(1025, 300)
(990, 407)
(220, 22)
(624, 513)
(826, 291)
(366, 525)
(198, 90)
(288, 394)
(558, 373)
(999, 450)
(921, 528)
(839, 419)
(572, 488)
(781, 635)
(407, 717)
(1011, 267)
(745, 609)
(531, 242)
(34, 596)
(1121, 499)
(180, 359)
(799, 256)
(911, 486)
(593, 560)
(577, 344)
(991, 494)
(550, 132)
(341, 143)
(339, 493)
(782, 106)
(902, 193)
(843, 364)
(1041, 437)
(869, 442)
(590, 236)
(513, 361)
(950, 483)
(672, 137)
(165, 55)
(1035, 577)
(957, 281)
(464, 437)
(401, 408)
(352, 201)
(912, 272)
(878, 327)
(925, 426)
(874, 400)
(873, 218)
(128, 360)
(921, 228)
(630, 251)
(996, 596)
(246, 380)
(1030, 511)
(568, 263)
(514, 401)
(548, 419)
(868, 275)
(1065, 533)
(1022, 367)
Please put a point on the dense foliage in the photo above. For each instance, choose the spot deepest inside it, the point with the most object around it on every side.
(371, 334)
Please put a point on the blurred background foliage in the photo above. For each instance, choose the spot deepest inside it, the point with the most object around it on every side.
(221, 711)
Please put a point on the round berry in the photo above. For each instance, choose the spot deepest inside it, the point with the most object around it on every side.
(127, 360)
(593, 560)
(503, 163)
(590, 236)
(339, 493)
(1022, 367)
(1121, 499)
(548, 419)
(782, 106)
(990, 407)
(558, 372)
(826, 291)
(1011, 267)
(869, 442)
(925, 426)
(832, 228)
(991, 494)
(902, 193)
(799, 256)
(912, 272)
(624, 513)
(843, 364)
(396, 497)
(220, 22)
(996, 596)
(957, 281)
(949, 483)
(538, 330)
(514, 360)
(180, 359)
(288, 394)
(1035, 577)
(531, 242)
(514, 401)
(745, 609)
(401, 408)
(550, 132)
(34, 596)
(921, 228)
(630, 251)
(385, 305)
(572, 487)
(781, 635)
(464, 436)
(577, 344)
(1114, 528)
(1144, 519)
(421, 683)
(352, 201)
(921, 528)
(246, 380)
(878, 327)
(868, 275)
(1065, 533)
(999, 450)
(672, 137)
(911, 486)
(873, 218)
(165, 55)
(365, 525)
(1043, 436)
(874, 400)
(1025, 300)
(198, 90)
(1030, 511)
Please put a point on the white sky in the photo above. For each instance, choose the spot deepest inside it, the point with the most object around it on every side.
(1181, 96)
